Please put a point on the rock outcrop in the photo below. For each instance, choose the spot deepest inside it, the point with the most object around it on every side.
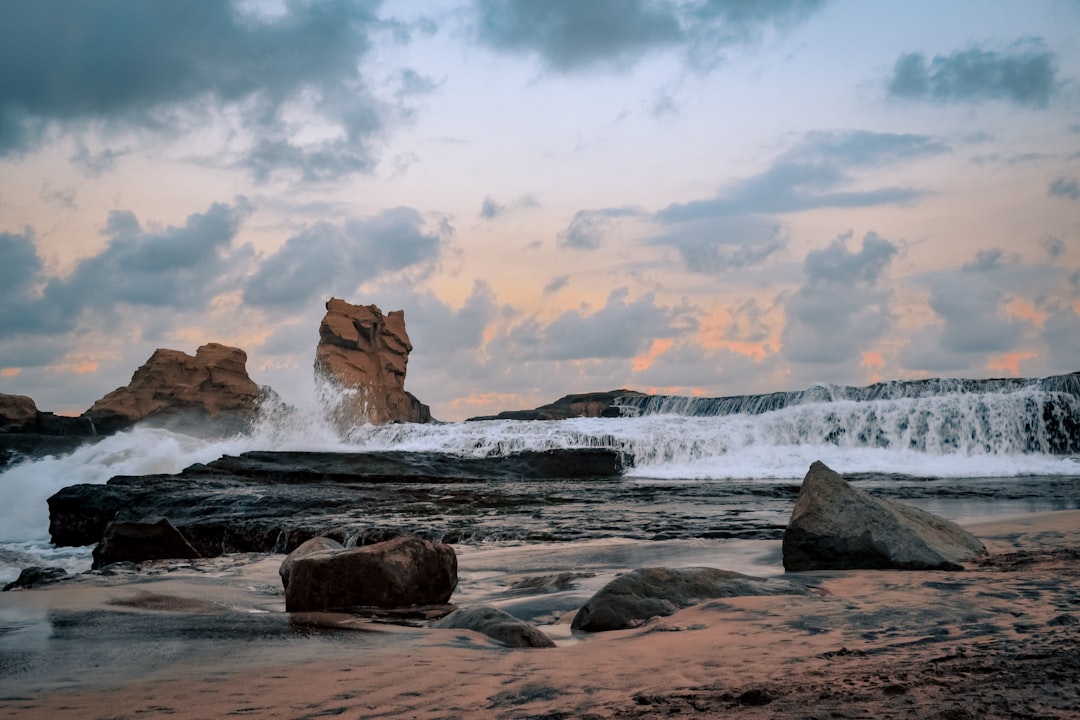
(18, 413)
(363, 354)
(497, 625)
(210, 391)
(835, 526)
(631, 599)
(595, 404)
(400, 573)
(141, 541)
(273, 501)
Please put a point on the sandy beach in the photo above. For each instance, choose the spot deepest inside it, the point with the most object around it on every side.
(1000, 639)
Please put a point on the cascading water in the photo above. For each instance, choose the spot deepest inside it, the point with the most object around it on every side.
(924, 429)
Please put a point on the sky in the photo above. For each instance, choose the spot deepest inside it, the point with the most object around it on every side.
(697, 197)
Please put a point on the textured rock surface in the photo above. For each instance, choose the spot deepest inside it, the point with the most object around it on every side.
(274, 501)
(835, 526)
(497, 625)
(179, 390)
(596, 404)
(139, 541)
(631, 599)
(36, 576)
(311, 547)
(365, 353)
(399, 573)
(18, 413)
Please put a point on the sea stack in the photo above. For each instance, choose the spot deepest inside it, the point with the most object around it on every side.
(363, 354)
(208, 392)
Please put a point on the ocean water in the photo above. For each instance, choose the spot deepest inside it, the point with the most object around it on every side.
(706, 476)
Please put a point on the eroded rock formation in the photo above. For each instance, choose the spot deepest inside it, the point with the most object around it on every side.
(173, 388)
(595, 404)
(363, 354)
(835, 526)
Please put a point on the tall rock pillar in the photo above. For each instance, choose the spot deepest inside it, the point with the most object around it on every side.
(363, 354)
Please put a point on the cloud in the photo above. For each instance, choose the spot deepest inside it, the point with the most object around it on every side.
(1064, 187)
(1053, 245)
(812, 174)
(556, 284)
(1025, 74)
(161, 67)
(569, 36)
(490, 209)
(839, 312)
(327, 258)
(714, 245)
(620, 329)
(95, 164)
(170, 270)
(972, 307)
(587, 229)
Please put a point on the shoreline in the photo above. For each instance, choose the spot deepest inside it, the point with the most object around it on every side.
(999, 639)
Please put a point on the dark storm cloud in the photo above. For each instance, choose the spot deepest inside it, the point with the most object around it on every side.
(811, 175)
(160, 65)
(337, 258)
(620, 329)
(175, 267)
(587, 229)
(163, 269)
(569, 36)
(1025, 74)
(1064, 187)
(839, 312)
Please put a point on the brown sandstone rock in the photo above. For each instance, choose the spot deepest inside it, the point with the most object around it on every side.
(400, 573)
(365, 353)
(496, 624)
(140, 541)
(18, 413)
(176, 388)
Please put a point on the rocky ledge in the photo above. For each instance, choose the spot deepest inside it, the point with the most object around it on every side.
(274, 501)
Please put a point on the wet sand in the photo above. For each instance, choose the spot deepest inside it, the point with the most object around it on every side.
(210, 639)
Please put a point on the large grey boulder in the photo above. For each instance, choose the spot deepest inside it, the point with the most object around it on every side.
(631, 599)
(400, 573)
(835, 526)
(496, 624)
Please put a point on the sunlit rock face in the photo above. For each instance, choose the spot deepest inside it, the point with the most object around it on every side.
(210, 391)
(363, 355)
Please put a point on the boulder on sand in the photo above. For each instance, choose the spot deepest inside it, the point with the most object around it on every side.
(400, 573)
(835, 526)
(497, 625)
(310, 547)
(631, 599)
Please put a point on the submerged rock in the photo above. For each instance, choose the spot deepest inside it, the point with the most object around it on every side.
(497, 625)
(400, 573)
(36, 576)
(631, 599)
(835, 526)
(189, 393)
(365, 354)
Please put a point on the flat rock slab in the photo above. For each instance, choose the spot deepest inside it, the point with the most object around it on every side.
(835, 526)
(631, 599)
